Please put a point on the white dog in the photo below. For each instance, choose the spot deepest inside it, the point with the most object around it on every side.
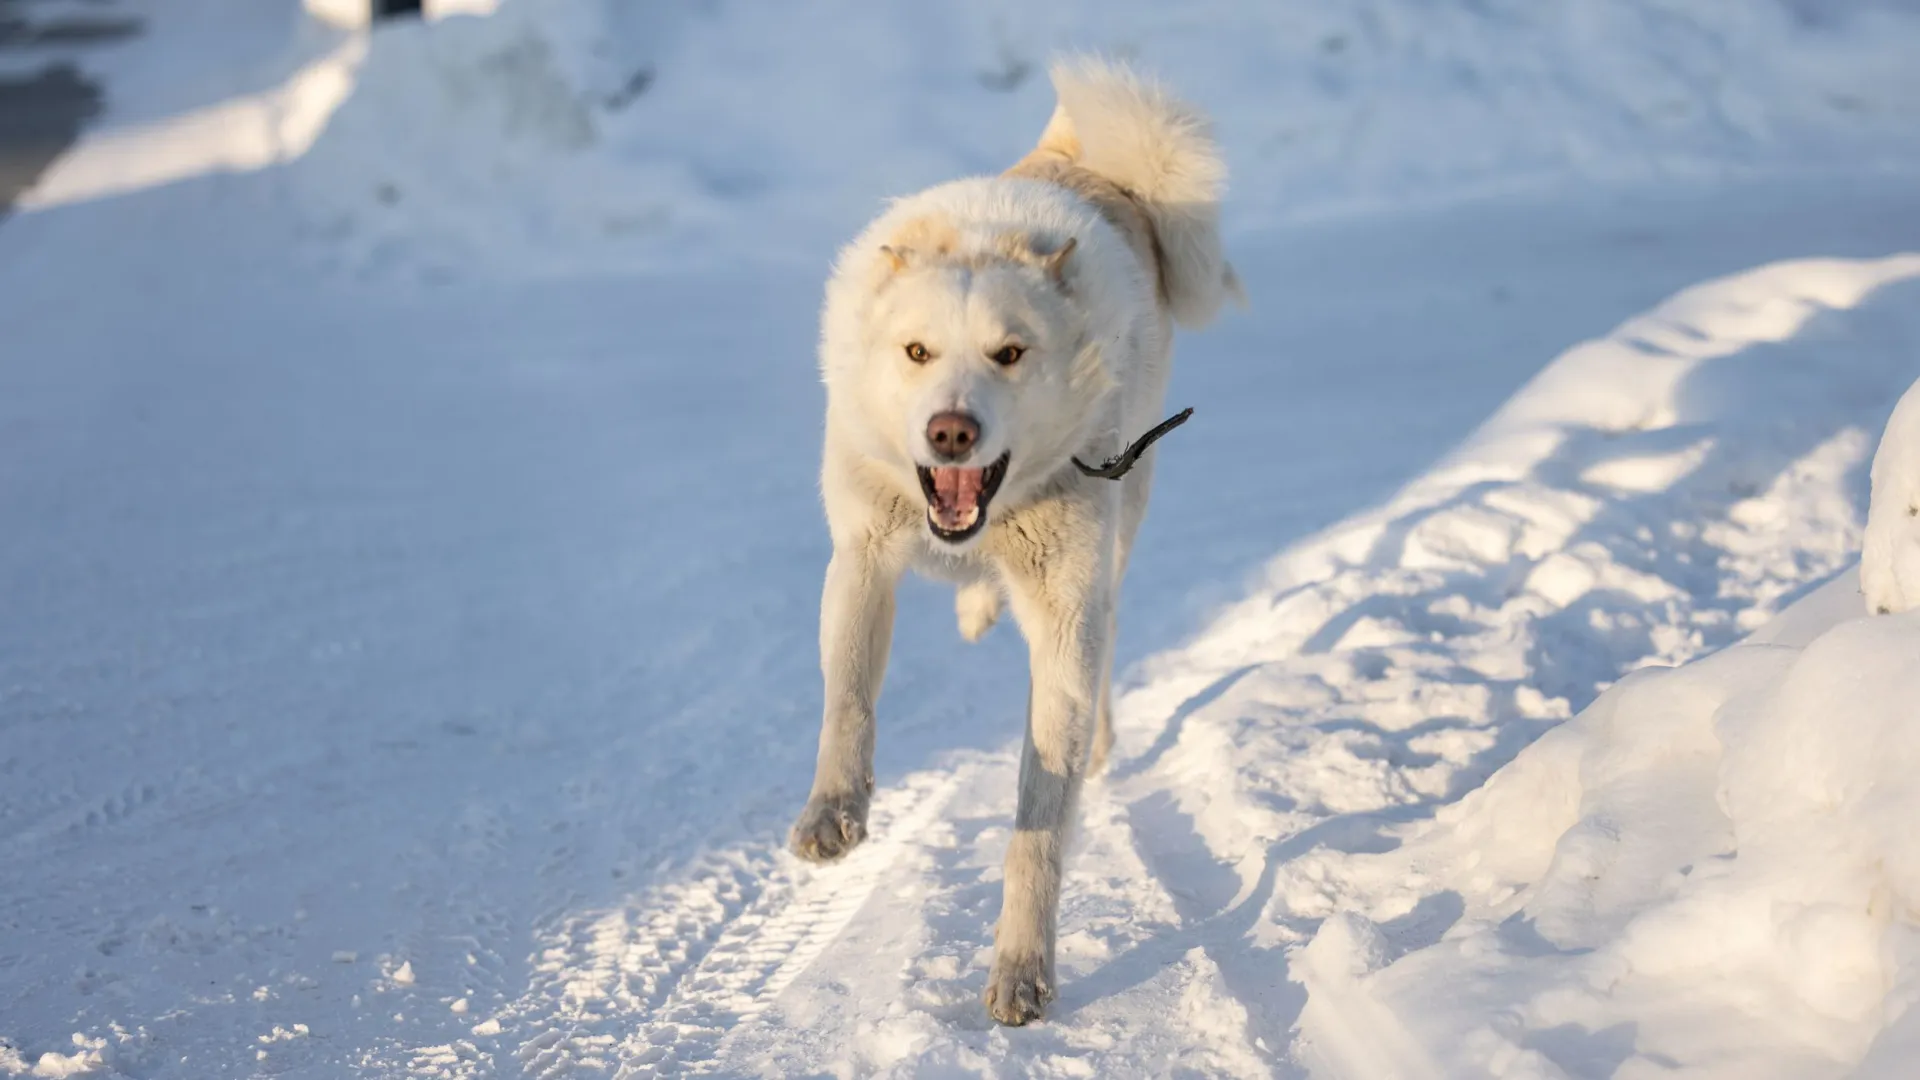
(976, 340)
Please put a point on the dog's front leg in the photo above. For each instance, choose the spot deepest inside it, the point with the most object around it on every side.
(856, 628)
(1060, 591)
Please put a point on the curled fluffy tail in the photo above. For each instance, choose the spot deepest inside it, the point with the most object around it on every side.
(1129, 130)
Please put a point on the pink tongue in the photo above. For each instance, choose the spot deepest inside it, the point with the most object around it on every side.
(956, 492)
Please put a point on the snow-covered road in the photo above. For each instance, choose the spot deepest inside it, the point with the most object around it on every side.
(471, 629)
(412, 673)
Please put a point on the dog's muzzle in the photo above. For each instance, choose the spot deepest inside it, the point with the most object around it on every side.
(957, 497)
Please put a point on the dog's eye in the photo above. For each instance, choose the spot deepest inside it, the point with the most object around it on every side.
(1008, 355)
(918, 353)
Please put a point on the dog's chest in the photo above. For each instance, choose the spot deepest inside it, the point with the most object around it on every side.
(961, 567)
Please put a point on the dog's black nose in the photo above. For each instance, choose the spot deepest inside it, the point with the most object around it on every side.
(952, 435)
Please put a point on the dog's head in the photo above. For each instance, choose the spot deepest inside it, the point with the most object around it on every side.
(976, 370)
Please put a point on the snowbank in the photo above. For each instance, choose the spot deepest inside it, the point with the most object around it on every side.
(239, 134)
(474, 141)
(1890, 561)
(521, 137)
(603, 132)
(1711, 871)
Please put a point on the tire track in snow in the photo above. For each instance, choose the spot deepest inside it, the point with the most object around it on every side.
(802, 912)
(652, 986)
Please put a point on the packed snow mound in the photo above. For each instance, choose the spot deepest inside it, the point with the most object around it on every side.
(1709, 872)
(1890, 561)
(548, 136)
(471, 139)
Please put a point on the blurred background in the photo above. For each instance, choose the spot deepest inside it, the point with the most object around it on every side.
(409, 547)
(552, 137)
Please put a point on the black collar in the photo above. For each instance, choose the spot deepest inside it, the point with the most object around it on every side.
(1118, 467)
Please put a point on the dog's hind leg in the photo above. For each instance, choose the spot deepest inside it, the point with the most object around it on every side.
(978, 606)
(1133, 509)
(1103, 718)
(1056, 567)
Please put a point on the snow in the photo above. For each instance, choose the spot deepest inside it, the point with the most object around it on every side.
(612, 136)
(1890, 557)
(241, 134)
(1710, 871)
(89, 1058)
(411, 552)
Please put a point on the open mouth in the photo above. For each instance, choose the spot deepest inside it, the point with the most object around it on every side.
(957, 498)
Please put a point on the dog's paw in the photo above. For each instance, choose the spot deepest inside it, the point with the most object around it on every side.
(978, 608)
(1018, 988)
(829, 827)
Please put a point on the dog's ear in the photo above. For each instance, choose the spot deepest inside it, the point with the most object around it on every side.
(897, 258)
(1020, 247)
(1056, 263)
(931, 234)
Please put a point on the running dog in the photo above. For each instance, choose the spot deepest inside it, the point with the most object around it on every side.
(990, 349)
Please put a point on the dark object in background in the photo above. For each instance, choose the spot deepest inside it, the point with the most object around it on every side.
(40, 116)
(43, 110)
(387, 9)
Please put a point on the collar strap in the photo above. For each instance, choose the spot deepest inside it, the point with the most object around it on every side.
(1118, 467)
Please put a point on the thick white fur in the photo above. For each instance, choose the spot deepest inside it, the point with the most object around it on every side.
(1131, 131)
(1069, 270)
